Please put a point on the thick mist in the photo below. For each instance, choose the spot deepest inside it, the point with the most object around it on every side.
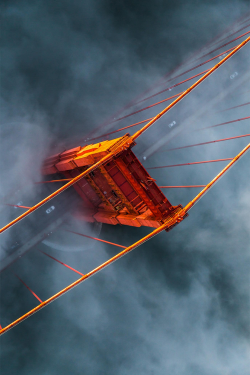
(179, 304)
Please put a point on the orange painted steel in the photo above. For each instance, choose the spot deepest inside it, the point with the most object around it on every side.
(174, 96)
(235, 32)
(149, 106)
(16, 205)
(201, 64)
(97, 239)
(141, 122)
(206, 143)
(45, 182)
(67, 185)
(195, 162)
(224, 45)
(128, 142)
(185, 93)
(170, 222)
(173, 86)
(174, 187)
(91, 273)
(132, 113)
(64, 264)
(119, 130)
(149, 97)
(219, 175)
(31, 291)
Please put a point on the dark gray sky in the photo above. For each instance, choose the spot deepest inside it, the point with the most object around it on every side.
(179, 304)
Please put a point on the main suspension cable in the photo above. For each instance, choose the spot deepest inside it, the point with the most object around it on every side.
(168, 223)
(131, 139)
(172, 97)
(191, 88)
(143, 121)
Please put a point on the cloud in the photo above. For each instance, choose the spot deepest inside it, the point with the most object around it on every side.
(179, 303)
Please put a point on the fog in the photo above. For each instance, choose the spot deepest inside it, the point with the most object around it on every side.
(179, 304)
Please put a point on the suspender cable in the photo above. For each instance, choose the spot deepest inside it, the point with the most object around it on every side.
(64, 264)
(196, 162)
(237, 106)
(203, 63)
(134, 101)
(206, 143)
(132, 138)
(174, 96)
(141, 122)
(224, 123)
(224, 45)
(149, 106)
(188, 186)
(119, 130)
(170, 221)
(228, 36)
(191, 88)
(16, 205)
(85, 277)
(31, 291)
(173, 86)
(216, 179)
(63, 179)
(97, 239)
(57, 192)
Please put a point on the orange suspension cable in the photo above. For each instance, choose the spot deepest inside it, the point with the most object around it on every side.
(134, 101)
(97, 239)
(149, 106)
(171, 87)
(141, 122)
(188, 186)
(248, 32)
(205, 62)
(237, 106)
(216, 179)
(206, 143)
(57, 192)
(64, 264)
(16, 205)
(228, 36)
(174, 96)
(223, 123)
(128, 142)
(191, 88)
(119, 130)
(63, 179)
(196, 162)
(85, 277)
(167, 224)
(31, 291)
